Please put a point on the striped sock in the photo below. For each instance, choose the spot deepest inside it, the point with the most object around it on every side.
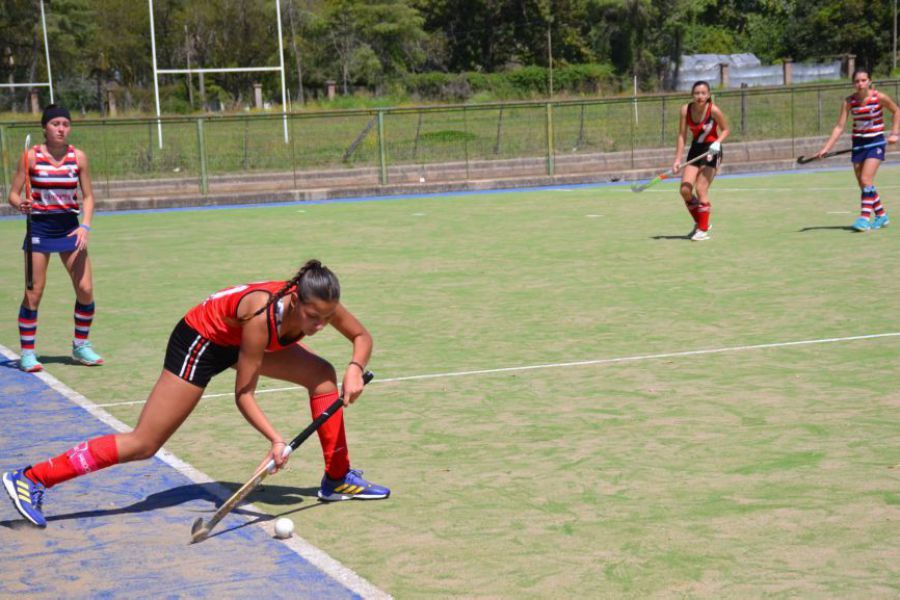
(27, 327)
(84, 316)
(868, 198)
(877, 206)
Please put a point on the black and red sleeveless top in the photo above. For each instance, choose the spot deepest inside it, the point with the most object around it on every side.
(707, 130)
(216, 317)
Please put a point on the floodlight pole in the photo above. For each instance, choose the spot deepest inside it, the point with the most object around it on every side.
(155, 76)
(284, 105)
(47, 49)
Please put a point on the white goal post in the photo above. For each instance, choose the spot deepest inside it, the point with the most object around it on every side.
(49, 82)
(157, 71)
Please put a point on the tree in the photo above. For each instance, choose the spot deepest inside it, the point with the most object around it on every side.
(373, 40)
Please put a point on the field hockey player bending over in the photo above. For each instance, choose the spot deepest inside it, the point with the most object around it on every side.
(255, 328)
(709, 128)
(867, 107)
(55, 170)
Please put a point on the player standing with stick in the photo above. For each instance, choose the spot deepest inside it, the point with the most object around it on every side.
(52, 172)
(709, 128)
(255, 328)
(867, 107)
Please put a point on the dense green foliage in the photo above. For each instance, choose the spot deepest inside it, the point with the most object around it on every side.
(426, 49)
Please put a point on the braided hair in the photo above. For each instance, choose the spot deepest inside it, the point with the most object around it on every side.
(313, 281)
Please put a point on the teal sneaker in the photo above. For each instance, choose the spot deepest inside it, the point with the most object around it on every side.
(861, 224)
(85, 354)
(29, 363)
(880, 222)
(26, 495)
(351, 486)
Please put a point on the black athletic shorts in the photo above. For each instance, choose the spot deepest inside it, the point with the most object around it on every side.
(194, 358)
(699, 149)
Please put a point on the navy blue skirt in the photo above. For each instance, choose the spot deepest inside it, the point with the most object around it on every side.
(50, 233)
(861, 154)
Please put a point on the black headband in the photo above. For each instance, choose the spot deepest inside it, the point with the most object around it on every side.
(52, 112)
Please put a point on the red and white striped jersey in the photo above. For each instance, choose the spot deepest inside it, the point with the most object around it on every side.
(54, 186)
(868, 117)
(216, 317)
(707, 130)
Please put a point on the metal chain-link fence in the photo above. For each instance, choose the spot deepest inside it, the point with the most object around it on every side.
(408, 145)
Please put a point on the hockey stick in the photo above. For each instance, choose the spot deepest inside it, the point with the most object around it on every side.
(29, 266)
(808, 159)
(640, 187)
(200, 530)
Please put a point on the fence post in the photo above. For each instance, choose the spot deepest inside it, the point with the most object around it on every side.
(383, 176)
(793, 137)
(418, 133)
(550, 151)
(631, 124)
(818, 110)
(662, 129)
(4, 160)
(293, 152)
(743, 109)
(580, 141)
(201, 144)
(466, 140)
(106, 165)
(500, 130)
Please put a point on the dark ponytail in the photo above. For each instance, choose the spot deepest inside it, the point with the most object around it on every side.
(314, 281)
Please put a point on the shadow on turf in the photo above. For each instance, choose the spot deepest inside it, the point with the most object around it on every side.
(276, 495)
(46, 360)
(835, 227)
(683, 238)
(260, 517)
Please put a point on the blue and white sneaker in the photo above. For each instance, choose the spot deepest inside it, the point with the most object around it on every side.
(26, 495)
(29, 363)
(861, 224)
(351, 487)
(882, 221)
(85, 354)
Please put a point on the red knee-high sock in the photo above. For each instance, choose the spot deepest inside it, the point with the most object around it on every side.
(84, 458)
(692, 205)
(332, 436)
(703, 217)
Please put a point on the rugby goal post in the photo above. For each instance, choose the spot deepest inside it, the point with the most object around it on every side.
(49, 82)
(157, 72)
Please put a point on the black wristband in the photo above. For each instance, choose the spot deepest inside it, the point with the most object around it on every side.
(361, 368)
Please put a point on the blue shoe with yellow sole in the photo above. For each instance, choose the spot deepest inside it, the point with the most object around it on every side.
(26, 495)
(351, 486)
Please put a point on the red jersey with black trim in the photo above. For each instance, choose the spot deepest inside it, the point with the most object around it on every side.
(216, 317)
(707, 130)
(54, 185)
(868, 117)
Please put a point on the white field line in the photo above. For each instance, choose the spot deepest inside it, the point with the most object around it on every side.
(580, 363)
(312, 554)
